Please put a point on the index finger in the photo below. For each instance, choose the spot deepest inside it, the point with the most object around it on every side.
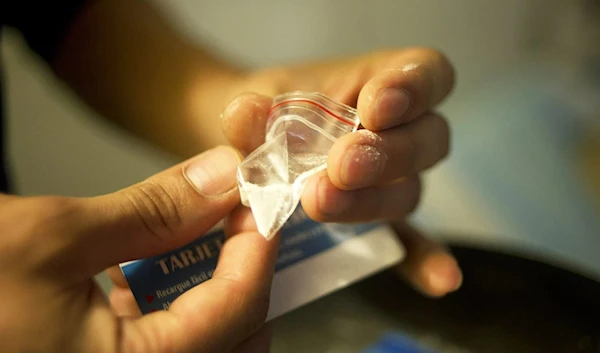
(413, 81)
(222, 312)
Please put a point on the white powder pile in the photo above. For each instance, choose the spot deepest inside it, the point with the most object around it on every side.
(273, 176)
(273, 200)
(270, 205)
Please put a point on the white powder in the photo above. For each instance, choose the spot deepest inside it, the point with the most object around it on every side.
(271, 206)
(372, 150)
(274, 200)
(369, 137)
(272, 178)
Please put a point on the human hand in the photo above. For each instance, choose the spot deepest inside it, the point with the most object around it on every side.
(51, 247)
(372, 174)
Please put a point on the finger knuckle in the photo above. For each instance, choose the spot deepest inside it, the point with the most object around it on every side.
(406, 154)
(258, 314)
(155, 208)
(403, 199)
(433, 55)
(444, 138)
(443, 67)
(440, 141)
(442, 70)
(413, 194)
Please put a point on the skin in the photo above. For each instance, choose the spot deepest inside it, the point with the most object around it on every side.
(47, 277)
(409, 141)
(171, 94)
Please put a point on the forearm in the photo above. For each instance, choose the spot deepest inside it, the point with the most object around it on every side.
(125, 61)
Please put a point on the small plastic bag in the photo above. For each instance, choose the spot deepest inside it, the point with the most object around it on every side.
(301, 129)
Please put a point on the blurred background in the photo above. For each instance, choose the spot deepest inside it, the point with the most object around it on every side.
(523, 178)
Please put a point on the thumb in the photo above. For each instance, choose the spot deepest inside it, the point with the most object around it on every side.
(161, 213)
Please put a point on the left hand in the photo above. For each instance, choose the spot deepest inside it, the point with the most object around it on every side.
(51, 247)
(372, 174)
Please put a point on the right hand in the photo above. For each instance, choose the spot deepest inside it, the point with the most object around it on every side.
(371, 175)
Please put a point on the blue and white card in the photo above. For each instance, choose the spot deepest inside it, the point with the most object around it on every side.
(314, 259)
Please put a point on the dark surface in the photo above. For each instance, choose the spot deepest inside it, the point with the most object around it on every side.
(43, 25)
(506, 304)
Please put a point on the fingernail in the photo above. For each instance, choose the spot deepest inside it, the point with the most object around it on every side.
(362, 166)
(213, 173)
(392, 104)
(332, 201)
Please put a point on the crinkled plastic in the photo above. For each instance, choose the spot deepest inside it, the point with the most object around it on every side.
(301, 129)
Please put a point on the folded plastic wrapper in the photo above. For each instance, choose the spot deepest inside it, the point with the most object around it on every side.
(301, 129)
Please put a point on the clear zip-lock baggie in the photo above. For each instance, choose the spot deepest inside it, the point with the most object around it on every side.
(301, 129)
(314, 259)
